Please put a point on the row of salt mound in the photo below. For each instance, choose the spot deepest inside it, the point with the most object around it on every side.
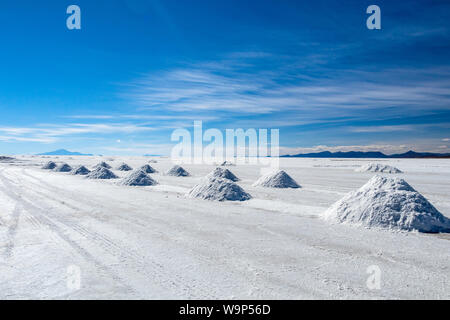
(381, 203)
(220, 185)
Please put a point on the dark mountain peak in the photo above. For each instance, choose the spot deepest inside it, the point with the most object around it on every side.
(63, 152)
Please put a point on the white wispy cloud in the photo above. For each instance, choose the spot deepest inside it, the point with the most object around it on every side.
(204, 88)
(140, 116)
(52, 133)
(383, 128)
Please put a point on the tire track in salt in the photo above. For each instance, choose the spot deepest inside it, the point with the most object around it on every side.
(44, 220)
(12, 231)
(141, 264)
(50, 188)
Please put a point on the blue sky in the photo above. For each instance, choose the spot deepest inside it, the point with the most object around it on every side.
(139, 69)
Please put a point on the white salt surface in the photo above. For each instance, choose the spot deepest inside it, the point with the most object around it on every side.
(153, 243)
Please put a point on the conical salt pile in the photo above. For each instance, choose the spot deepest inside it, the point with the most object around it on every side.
(101, 173)
(278, 179)
(223, 173)
(103, 165)
(388, 203)
(64, 167)
(49, 165)
(227, 164)
(378, 167)
(148, 169)
(153, 161)
(124, 167)
(219, 190)
(178, 171)
(138, 178)
(80, 171)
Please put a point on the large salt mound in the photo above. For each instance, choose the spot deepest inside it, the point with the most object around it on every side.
(177, 171)
(101, 173)
(223, 173)
(124, 167)
(64, 167)
(148, 169)
(49, 165)
(378, 167)
(278, 179)
(388, 203)
(219, 190)
(80, 171)
(138, 178)
(103, 165)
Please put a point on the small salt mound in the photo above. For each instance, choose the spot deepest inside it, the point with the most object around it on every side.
(7, 159)
(124, 167)
(224, 174)
(103, 165)
(148, 169)
(388, 203)
(138, 178)
(178, 171)
(64, 167)
(227, 164)
(278, 179)
(101, 173)
(49, 165)
(80, 171)
(219, 190)
(153, 161)
(378, 167)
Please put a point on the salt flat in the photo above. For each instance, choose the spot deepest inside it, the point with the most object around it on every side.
(154, 243)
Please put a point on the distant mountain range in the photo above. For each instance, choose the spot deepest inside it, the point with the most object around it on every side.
(63, 152)
(324, 154)
(371, 154)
